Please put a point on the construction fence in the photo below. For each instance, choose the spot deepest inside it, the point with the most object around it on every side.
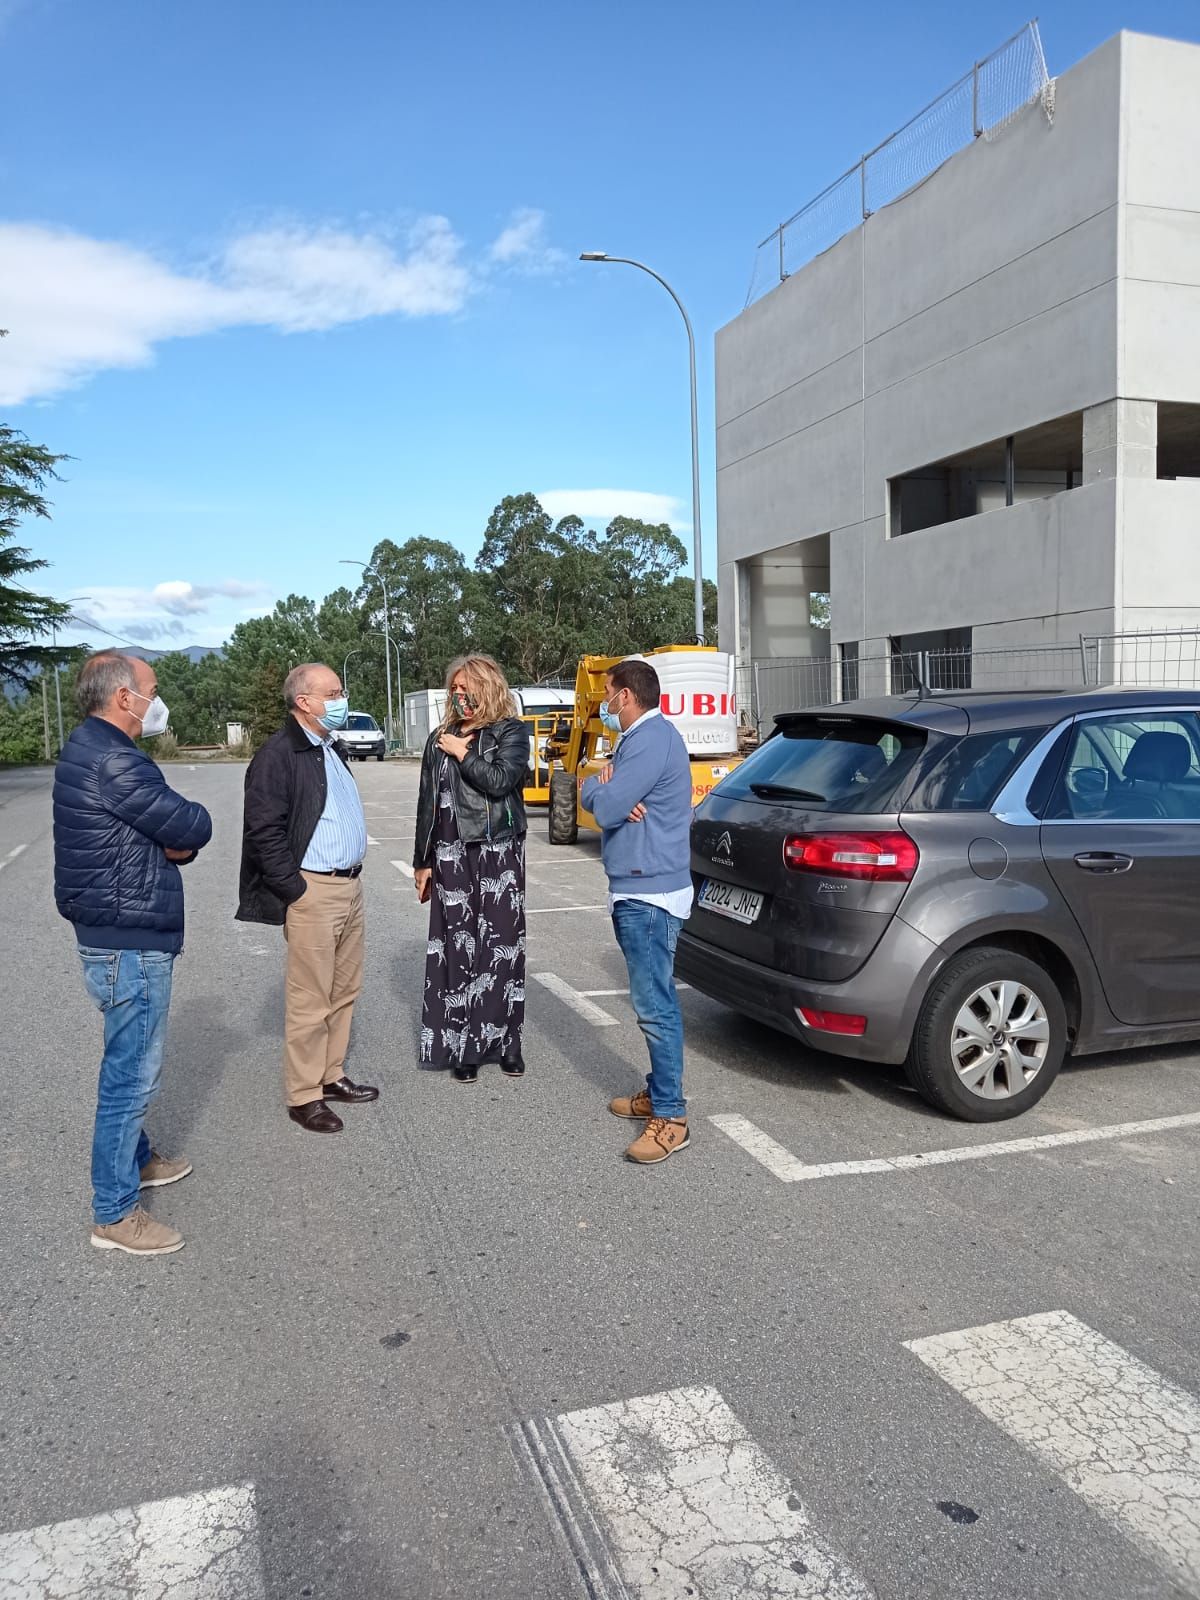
(1167, 659)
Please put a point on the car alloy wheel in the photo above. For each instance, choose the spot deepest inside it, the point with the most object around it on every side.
(1000, 1040)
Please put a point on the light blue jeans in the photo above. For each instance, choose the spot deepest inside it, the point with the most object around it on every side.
(133, 991)
(648, 936)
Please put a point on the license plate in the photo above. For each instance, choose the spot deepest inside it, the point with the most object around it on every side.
(728, 900)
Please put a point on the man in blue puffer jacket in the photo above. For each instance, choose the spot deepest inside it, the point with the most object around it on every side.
(120, 837)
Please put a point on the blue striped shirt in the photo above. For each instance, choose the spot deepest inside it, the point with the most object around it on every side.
(340, 837)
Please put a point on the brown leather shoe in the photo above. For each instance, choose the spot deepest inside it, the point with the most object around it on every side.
(660, 1138)
(316, 1117)
(632, 1105)
(353, 1093)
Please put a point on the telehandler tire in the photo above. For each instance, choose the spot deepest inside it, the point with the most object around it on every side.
(564, 817)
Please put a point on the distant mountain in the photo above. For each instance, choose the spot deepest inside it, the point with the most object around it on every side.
(194, 652)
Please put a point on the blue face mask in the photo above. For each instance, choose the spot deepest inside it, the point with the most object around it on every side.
(336, 712)
(610, 719)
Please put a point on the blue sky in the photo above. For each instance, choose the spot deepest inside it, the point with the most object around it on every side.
(287, 278)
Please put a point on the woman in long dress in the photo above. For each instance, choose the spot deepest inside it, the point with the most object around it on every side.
(469, 864)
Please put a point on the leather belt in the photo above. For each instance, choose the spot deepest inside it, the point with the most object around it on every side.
(334, 872)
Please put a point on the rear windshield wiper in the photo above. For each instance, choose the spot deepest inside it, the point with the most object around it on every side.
(783, 791)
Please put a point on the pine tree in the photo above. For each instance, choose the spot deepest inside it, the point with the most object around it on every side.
(25, 617)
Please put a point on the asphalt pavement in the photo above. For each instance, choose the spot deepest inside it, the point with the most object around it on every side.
(835, 1348)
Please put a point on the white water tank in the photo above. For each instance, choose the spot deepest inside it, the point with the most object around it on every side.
(698, 696)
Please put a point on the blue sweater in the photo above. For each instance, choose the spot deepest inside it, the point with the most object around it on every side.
(650, 766)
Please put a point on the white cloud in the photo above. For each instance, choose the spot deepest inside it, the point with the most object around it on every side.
(522, 244)
(75, 306)
(170, 611)
(602, 505)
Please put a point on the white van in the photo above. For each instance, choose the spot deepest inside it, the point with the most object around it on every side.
(363, 737)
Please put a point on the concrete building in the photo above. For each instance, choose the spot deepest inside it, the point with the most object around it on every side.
(975, 420)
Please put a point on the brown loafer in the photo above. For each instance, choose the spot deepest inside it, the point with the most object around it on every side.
(353, 1093)
(316, 1117)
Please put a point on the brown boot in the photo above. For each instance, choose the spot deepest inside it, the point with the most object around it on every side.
(632, 1105)
(160, 1170)
(660, 1138)
(138, 1235)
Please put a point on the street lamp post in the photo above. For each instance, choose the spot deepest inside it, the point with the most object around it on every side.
(697, 554)
(75, 598)
(370, 572)
(346, 671)
(399, 681)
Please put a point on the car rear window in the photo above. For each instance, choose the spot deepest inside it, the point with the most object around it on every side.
(974, 770)
(361, 722)
(830, 764)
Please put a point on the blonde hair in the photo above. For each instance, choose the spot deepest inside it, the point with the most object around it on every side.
(489, 690)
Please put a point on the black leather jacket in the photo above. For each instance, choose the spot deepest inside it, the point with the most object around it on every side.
(486, 785)
(285, 796)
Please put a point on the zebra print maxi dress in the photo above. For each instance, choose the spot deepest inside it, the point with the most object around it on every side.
(474, 1006)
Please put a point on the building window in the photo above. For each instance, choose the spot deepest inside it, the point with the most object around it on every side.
(848, 663)
(1030, 465)
(940, 659)
(1178, 440)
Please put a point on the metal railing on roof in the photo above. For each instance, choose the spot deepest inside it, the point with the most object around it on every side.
(978, 106)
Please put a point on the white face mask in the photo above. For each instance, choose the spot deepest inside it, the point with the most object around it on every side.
(156, 718)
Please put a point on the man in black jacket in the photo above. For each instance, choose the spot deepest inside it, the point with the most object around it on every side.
(303, 843)
(120, 837)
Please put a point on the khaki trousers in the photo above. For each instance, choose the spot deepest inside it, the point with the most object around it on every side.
(325, 933)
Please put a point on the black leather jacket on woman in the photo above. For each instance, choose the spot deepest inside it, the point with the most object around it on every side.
(486, 785)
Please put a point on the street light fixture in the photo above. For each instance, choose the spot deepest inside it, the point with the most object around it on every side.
(697, 555)
(370, 572)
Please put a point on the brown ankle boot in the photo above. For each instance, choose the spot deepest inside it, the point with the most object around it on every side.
(632, 1105)
(660, 1138)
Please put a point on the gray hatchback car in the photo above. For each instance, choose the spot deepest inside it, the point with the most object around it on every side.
(974, 884)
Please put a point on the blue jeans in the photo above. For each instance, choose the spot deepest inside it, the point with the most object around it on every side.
(133, 991)
(648, 936)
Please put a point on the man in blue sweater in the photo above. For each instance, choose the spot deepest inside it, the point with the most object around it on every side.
(643, 804)
(120, 837)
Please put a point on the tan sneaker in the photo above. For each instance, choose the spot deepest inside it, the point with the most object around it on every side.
(160, 1170)
(632, 1105)
(659, 1139)
(138, 1235)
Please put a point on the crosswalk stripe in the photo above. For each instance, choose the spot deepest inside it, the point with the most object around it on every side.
(684, 1502)
(1124, 1438)
(203, 1545)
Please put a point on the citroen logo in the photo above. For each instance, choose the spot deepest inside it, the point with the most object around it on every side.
(725, 844)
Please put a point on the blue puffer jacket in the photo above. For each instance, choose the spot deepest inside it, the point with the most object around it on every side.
(114, 817)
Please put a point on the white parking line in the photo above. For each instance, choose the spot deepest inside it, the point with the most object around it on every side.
(600, 994)
(577, 1002)
(1124, 1438)
(403, 866)
(12, 855)
(202, 1545)
(371, 841)
(790, 1169)
(543, 911)
(673, 1492)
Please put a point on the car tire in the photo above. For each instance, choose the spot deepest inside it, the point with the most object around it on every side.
(564, 815)
(380, 756)
(946, 1051)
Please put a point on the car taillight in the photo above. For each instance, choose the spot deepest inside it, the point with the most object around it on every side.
(833, 1021)
(873, 857)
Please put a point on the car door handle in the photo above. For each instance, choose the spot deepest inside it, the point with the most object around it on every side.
(1103, 861)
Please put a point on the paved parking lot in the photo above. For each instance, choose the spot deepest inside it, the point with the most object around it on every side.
(839, 1347)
